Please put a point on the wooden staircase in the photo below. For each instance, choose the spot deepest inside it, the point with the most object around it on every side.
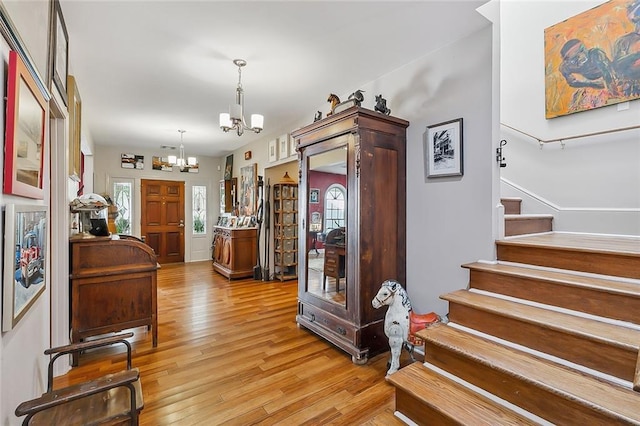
(548, 334)
(516, 223)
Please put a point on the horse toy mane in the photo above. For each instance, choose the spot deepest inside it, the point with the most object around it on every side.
(395, 287)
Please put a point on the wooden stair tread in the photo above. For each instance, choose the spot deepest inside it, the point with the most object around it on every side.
(630, 289)
(614, 335)
(452, 399)
(593, 393)
(617, 244)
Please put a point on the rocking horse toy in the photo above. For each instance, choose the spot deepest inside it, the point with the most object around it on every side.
(400, 322)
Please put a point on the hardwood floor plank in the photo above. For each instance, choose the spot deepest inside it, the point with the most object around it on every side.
(230, 352)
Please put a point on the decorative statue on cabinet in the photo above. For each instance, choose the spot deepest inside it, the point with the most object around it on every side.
(381, 105)
(357, 97)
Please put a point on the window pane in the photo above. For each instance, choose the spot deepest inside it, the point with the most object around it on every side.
(122, 199)
(334, 208)
(199, 207)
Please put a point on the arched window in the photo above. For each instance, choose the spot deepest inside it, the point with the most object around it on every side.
(335, 207)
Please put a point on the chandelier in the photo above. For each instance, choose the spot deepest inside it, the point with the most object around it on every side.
(180, 161)
(234, 119)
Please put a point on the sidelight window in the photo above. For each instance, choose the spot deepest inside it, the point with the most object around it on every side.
(199, 209)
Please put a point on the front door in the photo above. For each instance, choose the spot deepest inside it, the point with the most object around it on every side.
(163, 218)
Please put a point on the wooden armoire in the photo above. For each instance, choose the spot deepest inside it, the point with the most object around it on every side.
(367, 150)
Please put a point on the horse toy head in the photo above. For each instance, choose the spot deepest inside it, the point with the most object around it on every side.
(390, 291)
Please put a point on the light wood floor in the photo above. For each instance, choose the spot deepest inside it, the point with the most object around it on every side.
(229, 352)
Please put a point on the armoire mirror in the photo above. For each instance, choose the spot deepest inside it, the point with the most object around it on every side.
(327, 222)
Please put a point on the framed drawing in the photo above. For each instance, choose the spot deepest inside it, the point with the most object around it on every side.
(283, 146)
(592, 59)
(24, 261)
(27, 115)
(75, 129)
(248, 185)
(60, 51)
(443, 149)
(273, 155)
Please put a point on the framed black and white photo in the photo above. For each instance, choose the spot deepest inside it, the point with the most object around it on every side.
(443, 149)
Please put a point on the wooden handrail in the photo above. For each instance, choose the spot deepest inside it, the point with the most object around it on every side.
(622, 129)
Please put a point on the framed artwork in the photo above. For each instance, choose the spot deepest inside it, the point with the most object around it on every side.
(75, 128)
(27, 115)
(314, 196)
(161, 163)
(292, 146)
(132, 161)
(60, 51)
(228, 167)
(443, 149)
(273, 155)
(247, 155)
(283, 146)
(248, 185)
(190, 168)
(590, 59)
(24, 261)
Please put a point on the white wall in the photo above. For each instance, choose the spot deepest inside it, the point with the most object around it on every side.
(590, 185)
(449, 220)
(23, 366)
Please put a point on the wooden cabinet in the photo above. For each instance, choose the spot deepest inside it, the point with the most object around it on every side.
(234, 251)
(366, 150)
(285, 230)
(113, 287)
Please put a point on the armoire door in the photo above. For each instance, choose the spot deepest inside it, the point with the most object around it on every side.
(163, 218)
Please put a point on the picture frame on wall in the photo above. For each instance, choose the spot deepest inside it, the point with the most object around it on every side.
(443, 149)
(283, 147)
(248, 185)
(60, 51)
(132, 161)
(292, 147)
(161, 163)
(228, 167)
(75, 129)
(314, 196)
(273, 155)
(589, 59)
(26, 121)
(24, 277)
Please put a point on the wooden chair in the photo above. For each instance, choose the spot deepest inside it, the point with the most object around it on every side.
(105, 400)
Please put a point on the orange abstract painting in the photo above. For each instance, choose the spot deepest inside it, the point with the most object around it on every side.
(593, 59)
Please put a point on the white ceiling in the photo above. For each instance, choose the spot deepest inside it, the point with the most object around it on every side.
(148, 68)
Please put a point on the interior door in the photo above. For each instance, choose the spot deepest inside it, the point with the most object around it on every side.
(163, 218)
